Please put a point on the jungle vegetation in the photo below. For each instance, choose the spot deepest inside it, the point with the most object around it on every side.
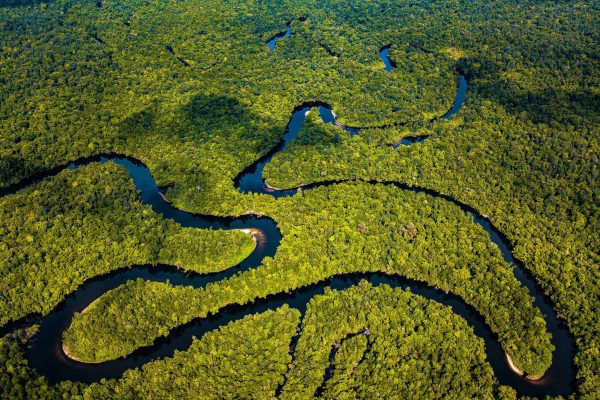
(244, 359)
(79, 78)
(406, 335)
(63, 231)
(346, 228)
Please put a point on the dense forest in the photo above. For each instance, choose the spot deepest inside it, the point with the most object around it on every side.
(245, 359)
(411, 340)
(344, 228)
(198, 101)
(88, 222)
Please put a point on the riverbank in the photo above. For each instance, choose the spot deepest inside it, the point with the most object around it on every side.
(516, 370)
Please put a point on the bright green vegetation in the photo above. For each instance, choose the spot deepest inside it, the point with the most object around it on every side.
(128, 317)
(523, 150)
(205, 251)
(57, 234)
(244, 359)
(536, 179)
(366, 228)
(413, 345)
(414, 341)
(194, 126)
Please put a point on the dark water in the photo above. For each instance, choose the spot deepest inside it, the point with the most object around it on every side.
(459, 98)
(408, 140)
(383, 54)
(46, 356)
(271, 42)
(250, 180)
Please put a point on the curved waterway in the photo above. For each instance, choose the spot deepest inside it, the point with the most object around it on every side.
(45, 352)
(384, 55)
(271, 42)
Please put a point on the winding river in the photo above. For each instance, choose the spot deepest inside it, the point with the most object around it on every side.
(271, 42)
(45, 352)
(384, 55)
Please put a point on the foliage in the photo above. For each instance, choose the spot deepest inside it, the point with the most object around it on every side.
(366, 228)
(244, 359)
(59, 233)
(138, 310)
(418, 348)
(76, 80)
(346, 362)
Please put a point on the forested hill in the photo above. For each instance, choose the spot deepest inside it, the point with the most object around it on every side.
(192, 90)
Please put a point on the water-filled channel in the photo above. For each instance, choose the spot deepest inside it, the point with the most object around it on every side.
(45, 353)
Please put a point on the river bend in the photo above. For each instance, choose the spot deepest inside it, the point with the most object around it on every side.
(45, 352)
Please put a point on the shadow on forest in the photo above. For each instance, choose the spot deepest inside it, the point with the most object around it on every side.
(315, 135)
(206, 118)
(215, 112)
(539, 106)
(138, 124)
